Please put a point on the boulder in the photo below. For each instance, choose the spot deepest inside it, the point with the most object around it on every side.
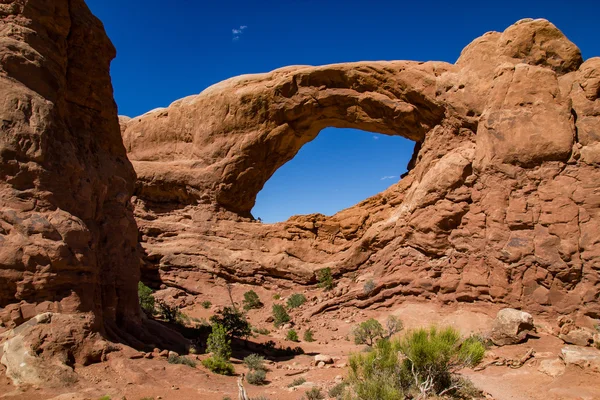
(323, 358)
(579, 337)
(511, 327)
(584, 357)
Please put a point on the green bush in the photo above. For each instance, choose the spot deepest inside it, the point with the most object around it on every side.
(314, 394)
(218, 366)
(261, 331)
(256, 377)
(255, 362)
(173, 359)
(308, 335)
(280, 316)
(218, 342)
(325, 278)
(206, 304)
(296, 300)
(292, 335)
(297, 382)
(368, 331)
(369, 286)
(146, 299)
(171, 313)
(276, 296)
(337, 391)
(251, 300)
(428, 364)
(234, 322)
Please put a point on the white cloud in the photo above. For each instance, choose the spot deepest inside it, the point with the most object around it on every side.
(237, 32)
(375, 137)
(385, 178)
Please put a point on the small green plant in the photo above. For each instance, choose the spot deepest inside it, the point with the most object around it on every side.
(218, 366)
(314, 394)
(309, 335)
(368, 287)
(206, 304)
(292, 335)
(337, 391)
(296, 300)
(226, 398)
(251, 300)
(234, 322)
(424, 362)
(280, 316)
(255, 362)
(218, 343)
(146, 299)
(325, 278)
(173, 359)
(276, 296)
(256, 377)
(107, 397)
(368, 331)
(261, 331)
(297, 382)
(171, 313)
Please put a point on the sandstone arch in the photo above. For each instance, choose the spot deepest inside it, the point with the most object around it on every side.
(231, 158)
(499, 204)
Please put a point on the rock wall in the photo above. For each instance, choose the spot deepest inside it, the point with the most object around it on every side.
(68, 239)
(501, 204)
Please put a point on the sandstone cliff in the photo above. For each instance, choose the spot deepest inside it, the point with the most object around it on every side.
(68, 239)
(501, 202)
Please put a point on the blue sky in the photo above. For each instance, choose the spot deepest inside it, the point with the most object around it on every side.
(168, 50)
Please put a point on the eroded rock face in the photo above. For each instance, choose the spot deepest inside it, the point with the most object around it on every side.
(67, 233)
(501, 202)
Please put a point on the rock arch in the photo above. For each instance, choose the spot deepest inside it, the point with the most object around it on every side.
(500, 203)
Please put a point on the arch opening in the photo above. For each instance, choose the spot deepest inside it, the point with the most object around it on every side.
(338, 169)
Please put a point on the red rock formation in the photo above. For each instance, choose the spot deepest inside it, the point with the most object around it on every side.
(501, 203)
(67, 233)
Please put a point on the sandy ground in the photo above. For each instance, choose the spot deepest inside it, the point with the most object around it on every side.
(122, 377)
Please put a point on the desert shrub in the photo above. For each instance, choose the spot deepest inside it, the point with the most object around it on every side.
(325, 278)
(393, 325)
(107, 397)
(173, 359)
(296, 300)
(251, 300)
(337, 391)
(256, 377)
(369, 286)
(276, 296)
(234, 322)
(314, 394)
(255, 362)
(366, 332)
(428, 362)
(226, 398)
(218, 366)
(261, 331)
(218, 343)
(292, 335)
(297, 382)
(171, 314)
(280, 316)
(309, 335)
(146, 299)
(206, 304)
